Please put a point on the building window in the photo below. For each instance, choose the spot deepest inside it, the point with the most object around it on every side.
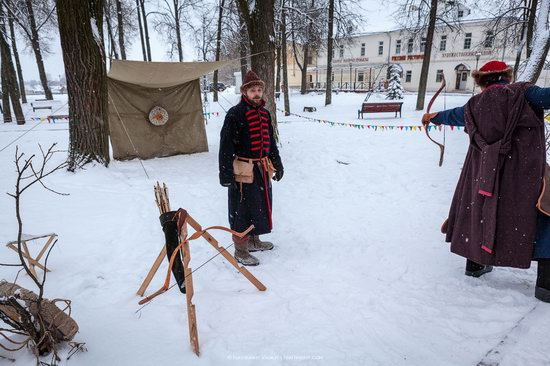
(468, 41)
(333, 53)
(460, 13)
(332, 76)
(341, 51)
(309, 60)
(443, 43)
(363, 48)
(423, 44)
(381, 48)
(489, 39)
(410, 45)
(398, 47)
(439, 76)
(408, 76)
(360, 76)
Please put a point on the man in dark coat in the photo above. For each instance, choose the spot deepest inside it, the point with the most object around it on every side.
(247, 137)
(493, 215)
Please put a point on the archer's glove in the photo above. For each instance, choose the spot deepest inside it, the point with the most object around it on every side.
(278, 175)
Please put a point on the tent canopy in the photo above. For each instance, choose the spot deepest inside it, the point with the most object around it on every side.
(160, 74)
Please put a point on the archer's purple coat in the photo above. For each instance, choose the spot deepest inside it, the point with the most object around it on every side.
(493, 218)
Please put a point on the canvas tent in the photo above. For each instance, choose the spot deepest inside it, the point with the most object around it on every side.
(136, 87)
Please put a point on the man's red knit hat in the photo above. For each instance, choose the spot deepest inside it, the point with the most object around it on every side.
(250, 80)
(492, 67)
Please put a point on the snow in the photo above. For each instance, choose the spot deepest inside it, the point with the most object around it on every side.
(360, 274)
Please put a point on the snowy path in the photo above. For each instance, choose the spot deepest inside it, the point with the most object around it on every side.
(360, 274)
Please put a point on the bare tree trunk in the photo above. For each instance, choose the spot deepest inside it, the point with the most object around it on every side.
(303, 88)
(83, 55)
(146, 29)
(120, 30)
(427, 56)
(278, 70)
(10, 77)
(110, 30)
(6, 109)
(141, 31)
(17, 63)
(218, 47)
(178, 29)
(37, 52)
(522, 40)
(531, 25)
(243, 48)
(285, 62)
(541, 45)
(261, 34)
(330, 41)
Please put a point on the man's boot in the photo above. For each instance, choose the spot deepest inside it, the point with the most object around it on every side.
(255, 244)
(241, 252)
(542, 291)
(476, 270)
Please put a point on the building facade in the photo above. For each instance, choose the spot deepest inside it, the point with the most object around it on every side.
(362, 63)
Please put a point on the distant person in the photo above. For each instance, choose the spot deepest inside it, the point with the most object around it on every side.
(248, 159)
(493, 219)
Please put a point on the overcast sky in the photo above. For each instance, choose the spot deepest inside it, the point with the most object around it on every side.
(378, 18)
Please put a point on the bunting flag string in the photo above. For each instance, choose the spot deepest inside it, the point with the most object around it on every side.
(213, 114)
(360, 126)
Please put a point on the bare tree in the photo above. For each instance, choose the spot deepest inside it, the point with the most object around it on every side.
(34, 18)
(140, 25)
(120, 29)
(421, 17)
(541, 45)
(170, 18)
(218, 46)
(330, 42)
(17, 62)
(284, 57)
(9, 76)
(259, 18)
(83, 54)
(141, 9)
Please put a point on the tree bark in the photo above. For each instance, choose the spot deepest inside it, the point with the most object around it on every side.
(83, 55)
(178, 29)
(427, 56)
(284, 57)
(110, 31)
(278, 70)
(146, 29)
(141, 31)
(261, 34)
(303, 88)
(120, 30)
(330, 41)
(541, 45)
(243, 46)
(6, 109)
(35, 41)
(17, 63)
(531, 25)
(10, 77)
(218, 47)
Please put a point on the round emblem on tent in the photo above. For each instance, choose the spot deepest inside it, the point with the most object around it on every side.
(158, 116)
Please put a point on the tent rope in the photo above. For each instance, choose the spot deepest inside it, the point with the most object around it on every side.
(129, 138)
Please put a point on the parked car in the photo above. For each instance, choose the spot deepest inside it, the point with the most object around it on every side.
(220, 87)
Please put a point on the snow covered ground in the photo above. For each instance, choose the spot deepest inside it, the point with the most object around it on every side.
(360, 274)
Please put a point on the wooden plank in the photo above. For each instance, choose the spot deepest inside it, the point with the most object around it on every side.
(152, 272)
(210, 239)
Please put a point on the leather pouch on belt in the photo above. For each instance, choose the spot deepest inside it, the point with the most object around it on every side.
(243, 171)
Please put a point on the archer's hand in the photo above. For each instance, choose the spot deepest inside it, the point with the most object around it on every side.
(278, 175)
(426, 118)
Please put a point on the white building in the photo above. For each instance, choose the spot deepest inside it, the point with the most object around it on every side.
(362, 64)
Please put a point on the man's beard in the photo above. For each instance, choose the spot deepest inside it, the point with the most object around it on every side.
(257, 101)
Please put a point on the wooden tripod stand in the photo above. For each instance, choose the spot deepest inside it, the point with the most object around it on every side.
(161, 195)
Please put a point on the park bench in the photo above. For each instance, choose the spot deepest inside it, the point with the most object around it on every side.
(35, 107)
(380, 107)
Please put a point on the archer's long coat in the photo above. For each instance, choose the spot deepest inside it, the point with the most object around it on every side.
(493, 218)
(247, 132)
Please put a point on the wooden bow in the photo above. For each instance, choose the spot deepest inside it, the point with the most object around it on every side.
(441, 146)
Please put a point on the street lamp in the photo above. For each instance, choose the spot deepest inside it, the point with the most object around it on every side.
(478, 55)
